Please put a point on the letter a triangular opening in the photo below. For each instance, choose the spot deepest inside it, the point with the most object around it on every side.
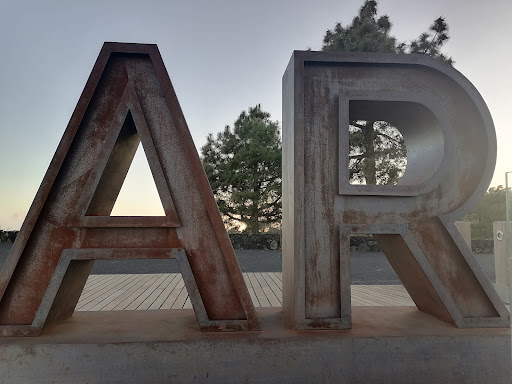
(129, 128)
(138, 195)
(128, 98)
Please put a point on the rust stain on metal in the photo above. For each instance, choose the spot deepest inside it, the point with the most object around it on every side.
(451, 150)
(128, 99)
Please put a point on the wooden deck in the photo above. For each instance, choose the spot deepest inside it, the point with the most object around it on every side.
(167, 291)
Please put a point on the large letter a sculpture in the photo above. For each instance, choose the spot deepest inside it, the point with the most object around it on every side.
(128, 99)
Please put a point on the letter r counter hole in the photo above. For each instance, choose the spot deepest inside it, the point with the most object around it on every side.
(401, 151)
(377, 153)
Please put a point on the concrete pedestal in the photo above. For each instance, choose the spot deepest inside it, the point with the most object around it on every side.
(464, 228)
(385, 345)
(501, 259)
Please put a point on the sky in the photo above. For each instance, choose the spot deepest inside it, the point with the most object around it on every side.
(222, 57)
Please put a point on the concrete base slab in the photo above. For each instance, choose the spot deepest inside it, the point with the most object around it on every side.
(385, 345)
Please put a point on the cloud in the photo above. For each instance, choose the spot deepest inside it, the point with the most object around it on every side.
(12, 221)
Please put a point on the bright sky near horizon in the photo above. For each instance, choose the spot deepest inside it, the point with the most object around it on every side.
(222, 56)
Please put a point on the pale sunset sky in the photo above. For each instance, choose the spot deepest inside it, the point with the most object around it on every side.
(222, 56)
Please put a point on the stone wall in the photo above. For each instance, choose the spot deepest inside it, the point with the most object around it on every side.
(8, 236)
(363, 244)
(482, 245)
(272, 241)
(368, 244)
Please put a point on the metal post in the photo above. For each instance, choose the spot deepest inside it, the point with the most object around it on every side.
(508, 209)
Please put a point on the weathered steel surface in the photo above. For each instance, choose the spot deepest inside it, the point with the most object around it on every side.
(451, 151)
(128, 99)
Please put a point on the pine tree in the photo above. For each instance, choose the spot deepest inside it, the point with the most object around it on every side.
(243, 165)
(491, 208)
(377, 149)
(430, 43)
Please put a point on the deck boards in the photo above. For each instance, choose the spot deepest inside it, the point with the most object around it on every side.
(167, 291)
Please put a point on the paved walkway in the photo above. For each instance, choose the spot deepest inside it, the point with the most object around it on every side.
(167, 291)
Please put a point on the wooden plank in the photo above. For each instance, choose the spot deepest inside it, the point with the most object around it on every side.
(385, 288)
(107, 296)
(109, 292)
(132, 285)
(157, 292)
(188, 303)
(355, 302)
(99, 306)
(255, 301)
(180, 300)
(157, 280)
(100, 284)
(92, 278)
(279, 275)
(169, 301)
(362, 301)
(141, 283)
(101, 281)
(166, 291)
(95, 296)
(275, 288)
(276, 280)
(400, 291)
(260, 295)
(379, 295)
(130, 299)
(92, 281)
(368, 297)
(385, 296)
(271, 297)
(389, 289)
(392, 297)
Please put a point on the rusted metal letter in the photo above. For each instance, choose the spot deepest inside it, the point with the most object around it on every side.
(128, 99)
(451, 152)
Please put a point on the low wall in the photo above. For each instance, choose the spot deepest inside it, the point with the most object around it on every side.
(264, 241)
(272, 241)
(8, 236)
(482, 245)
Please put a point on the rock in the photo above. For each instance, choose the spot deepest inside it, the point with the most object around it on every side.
(363, 248)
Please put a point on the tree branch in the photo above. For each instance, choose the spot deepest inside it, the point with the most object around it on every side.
(389, 137)
(358, 125)
(232, 217)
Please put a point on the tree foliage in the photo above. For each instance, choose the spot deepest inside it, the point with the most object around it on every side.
(377, 149)
(243, 165)
(491, 208)
(366, 33)
(377, 152)
(431, 42)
